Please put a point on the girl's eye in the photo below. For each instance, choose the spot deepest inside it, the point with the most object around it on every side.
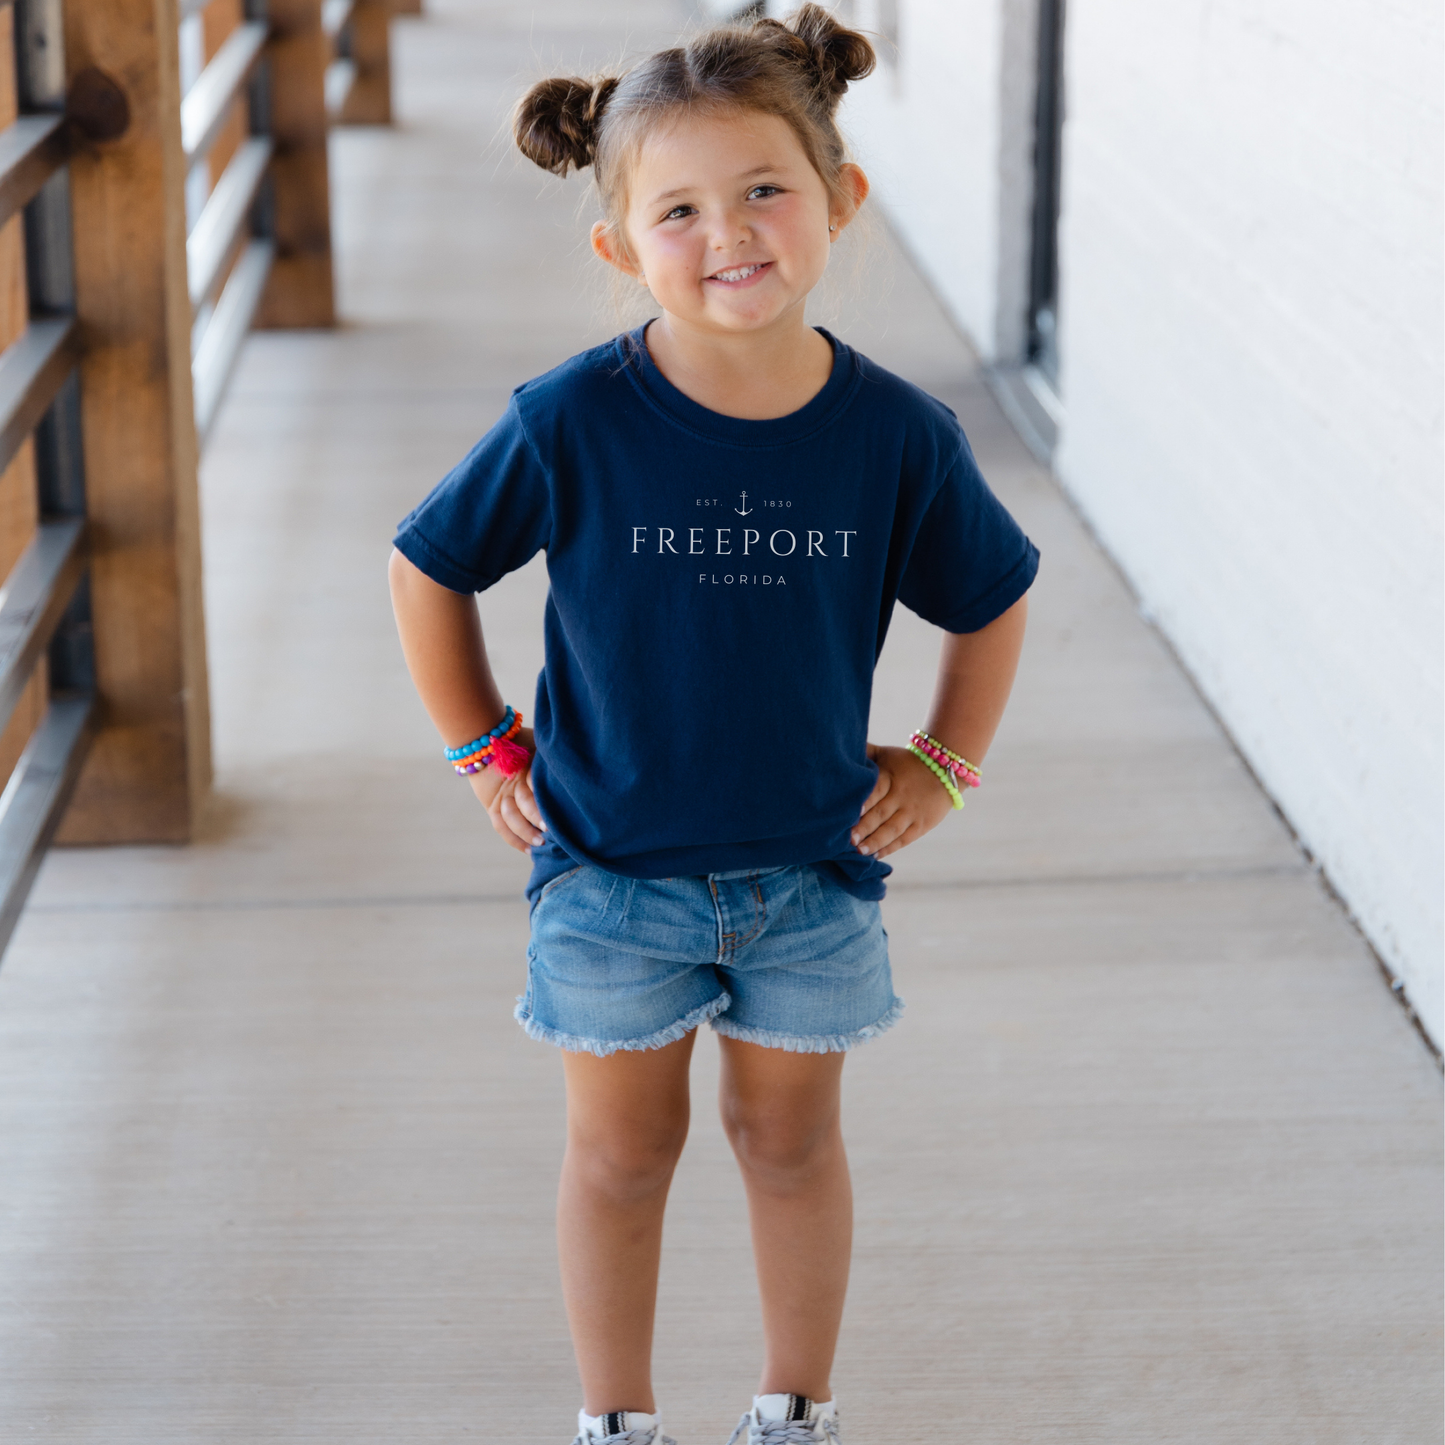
(762, 192)
(677, 212)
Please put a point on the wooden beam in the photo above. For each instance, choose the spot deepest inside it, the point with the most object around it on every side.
(368, 101)
(300, 289)
(147, 774)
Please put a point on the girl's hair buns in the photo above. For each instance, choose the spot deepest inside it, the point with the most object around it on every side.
(796, 70)
(831, 53)
(557, 122)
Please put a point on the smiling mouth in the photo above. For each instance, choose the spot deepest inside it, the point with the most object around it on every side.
(739, 273)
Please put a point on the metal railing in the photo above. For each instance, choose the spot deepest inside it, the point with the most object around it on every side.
(229, 250)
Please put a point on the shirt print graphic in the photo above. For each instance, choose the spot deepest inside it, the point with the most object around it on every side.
(775, 542)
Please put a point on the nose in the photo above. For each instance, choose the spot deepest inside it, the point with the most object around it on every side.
(730, 231)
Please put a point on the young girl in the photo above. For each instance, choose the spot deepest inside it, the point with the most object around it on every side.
(730, 502)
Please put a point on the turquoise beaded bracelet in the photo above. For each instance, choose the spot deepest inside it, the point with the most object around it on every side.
(455, 755)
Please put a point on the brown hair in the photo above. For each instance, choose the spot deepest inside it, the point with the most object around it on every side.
(797, 70)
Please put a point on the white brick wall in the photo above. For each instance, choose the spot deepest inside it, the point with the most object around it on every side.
(1251, 364)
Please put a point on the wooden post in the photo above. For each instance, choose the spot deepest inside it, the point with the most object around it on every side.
(369, 102)
(149, 768)
(406, 7)
(300, 290)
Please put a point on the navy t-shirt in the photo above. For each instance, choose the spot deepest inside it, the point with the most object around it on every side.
(720, 592)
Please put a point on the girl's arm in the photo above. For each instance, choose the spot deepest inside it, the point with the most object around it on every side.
(441, 638)
(975, 676)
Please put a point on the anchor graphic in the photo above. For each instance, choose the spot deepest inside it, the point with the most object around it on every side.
(744, 509)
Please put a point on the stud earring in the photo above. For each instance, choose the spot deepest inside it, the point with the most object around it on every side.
(832, 228)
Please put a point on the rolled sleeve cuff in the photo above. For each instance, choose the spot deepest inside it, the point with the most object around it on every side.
(997, 600)
(436, 564)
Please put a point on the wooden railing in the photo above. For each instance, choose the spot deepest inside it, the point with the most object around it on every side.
(120, 325)
(358, 79)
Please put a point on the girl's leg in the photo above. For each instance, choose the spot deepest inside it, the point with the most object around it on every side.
(781, 1113)
(627, 1120)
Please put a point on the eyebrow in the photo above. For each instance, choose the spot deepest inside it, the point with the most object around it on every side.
(745, 176)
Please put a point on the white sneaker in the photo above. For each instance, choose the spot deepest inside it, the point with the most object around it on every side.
(622, 1427)
(788, 1420)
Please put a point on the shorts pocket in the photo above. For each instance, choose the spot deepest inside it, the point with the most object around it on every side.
(585, 901)
(553, 884)
(550, 887)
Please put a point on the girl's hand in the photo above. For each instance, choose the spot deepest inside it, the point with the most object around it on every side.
(907, 801)
(510, 802)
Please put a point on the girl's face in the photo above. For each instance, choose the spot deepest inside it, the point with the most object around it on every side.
(729, 222)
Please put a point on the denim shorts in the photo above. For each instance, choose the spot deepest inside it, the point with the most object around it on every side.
(782, 957)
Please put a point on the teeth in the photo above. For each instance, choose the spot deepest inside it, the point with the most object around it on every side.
(738, 273)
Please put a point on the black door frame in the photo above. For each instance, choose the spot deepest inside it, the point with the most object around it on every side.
(1042, 351)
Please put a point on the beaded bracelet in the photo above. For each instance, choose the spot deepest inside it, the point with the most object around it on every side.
(967, 773)
(455, 755)
(964, 773)
(510, 757)
(496, 747)
(944, 777)
(483, 753)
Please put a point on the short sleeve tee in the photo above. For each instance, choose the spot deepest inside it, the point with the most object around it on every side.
(720, 590)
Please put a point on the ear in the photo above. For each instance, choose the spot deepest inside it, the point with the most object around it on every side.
(607, 244)
(854, 185)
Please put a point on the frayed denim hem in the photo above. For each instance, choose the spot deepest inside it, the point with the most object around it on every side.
(603, 1047)
(809, 1043)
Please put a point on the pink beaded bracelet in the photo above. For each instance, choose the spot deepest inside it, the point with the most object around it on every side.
(942, 774)
(953, 763)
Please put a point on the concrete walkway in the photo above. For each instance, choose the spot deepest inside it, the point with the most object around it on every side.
(1153, 1156)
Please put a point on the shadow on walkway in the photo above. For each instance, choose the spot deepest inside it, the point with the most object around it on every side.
(1153, 1155)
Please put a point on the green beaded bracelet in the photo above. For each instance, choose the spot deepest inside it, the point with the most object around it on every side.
(943, 777)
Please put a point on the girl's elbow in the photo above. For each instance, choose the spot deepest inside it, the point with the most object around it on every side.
(404, 577)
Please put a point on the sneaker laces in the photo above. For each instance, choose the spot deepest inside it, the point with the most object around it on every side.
(627, 1437)
(788, 1432)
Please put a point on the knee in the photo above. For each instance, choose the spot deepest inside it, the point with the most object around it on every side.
(628, 1163)
(776, 1150)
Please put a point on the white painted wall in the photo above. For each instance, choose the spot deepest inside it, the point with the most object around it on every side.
(1251, 353)
(944, 127)
(930, 118)
(1251, 366)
